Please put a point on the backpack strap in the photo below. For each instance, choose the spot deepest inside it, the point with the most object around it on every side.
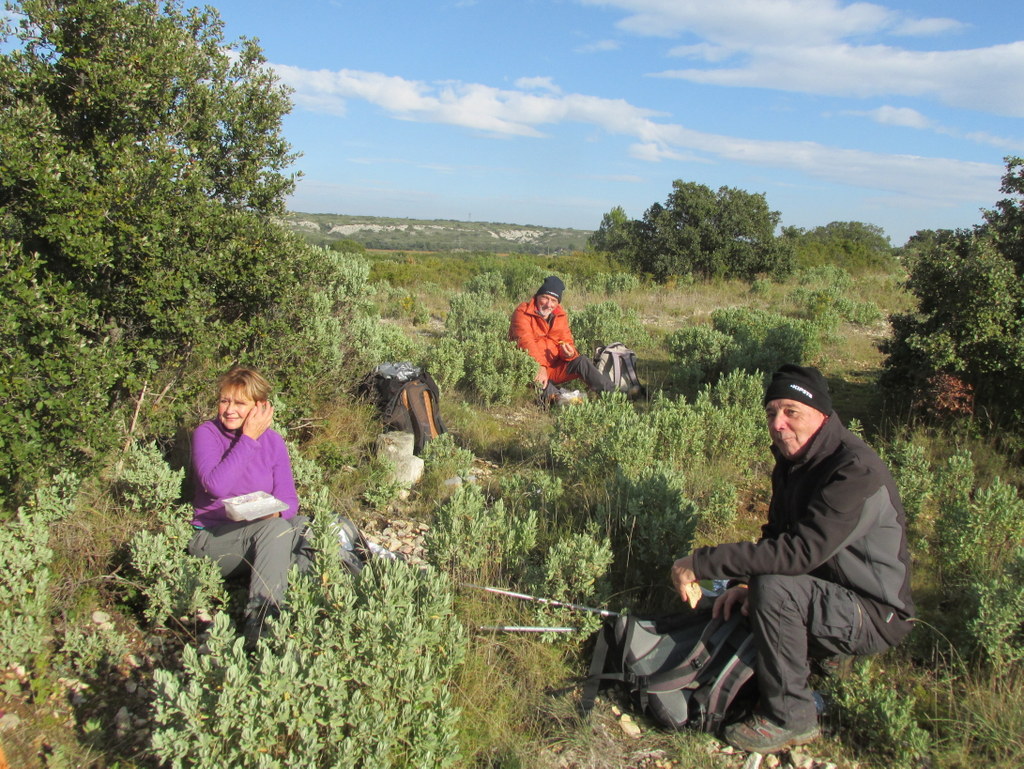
(708, 646)
(592, 684)
(713, 701)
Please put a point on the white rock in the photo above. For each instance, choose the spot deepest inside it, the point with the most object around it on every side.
(397, 448)
(100, 617)
(771, 761)
(753, 761)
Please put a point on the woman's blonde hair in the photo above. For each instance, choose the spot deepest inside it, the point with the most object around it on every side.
(248, 380)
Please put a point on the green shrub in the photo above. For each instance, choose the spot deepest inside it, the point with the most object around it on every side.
(532, 490)
(490, 284)
(25, 575)
(395, 302)
(701, 353)
(175, 584)
(356, 673)
(493, 368)
(611, 283)
(595, 438)
(601, 324)
(725, 422)
(999, 624)
(444, 456)
(763, 341)
(653, 523)
(496, 369)
(471, 538)
(914, 478)
(875, 714)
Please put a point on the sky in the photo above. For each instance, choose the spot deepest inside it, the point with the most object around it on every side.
(552, 112)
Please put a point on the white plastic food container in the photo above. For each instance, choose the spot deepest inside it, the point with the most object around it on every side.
(249, 507)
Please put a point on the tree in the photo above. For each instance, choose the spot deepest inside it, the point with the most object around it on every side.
(970, 314)
(613, 235)
(854, 246)
(141, 161)
(728, 233)
(1006, 221)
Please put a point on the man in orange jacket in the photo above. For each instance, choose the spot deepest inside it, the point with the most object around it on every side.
(541, 327)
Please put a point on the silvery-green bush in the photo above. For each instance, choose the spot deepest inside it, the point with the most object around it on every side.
(653, 522)
(594, 438)
(25, 572)
(175, 584)
(612, 283)
(746, 339)
(476, 354)
(601, 324)
(356, 673)
(471, 536)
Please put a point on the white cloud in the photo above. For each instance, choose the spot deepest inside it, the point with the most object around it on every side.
(598, 46)
(829, 48)
(986, 79)
(703, 51)
(905, 117)
(537, 84)
(783, 22)
(654, 152)
(515, 113)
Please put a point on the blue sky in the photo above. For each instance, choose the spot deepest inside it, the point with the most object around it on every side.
(552, 112)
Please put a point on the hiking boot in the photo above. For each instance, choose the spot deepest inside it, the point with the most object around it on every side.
(759, 734)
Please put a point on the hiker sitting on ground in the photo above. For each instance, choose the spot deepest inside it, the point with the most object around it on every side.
(830, 575)
(541, 327)
(237, 453)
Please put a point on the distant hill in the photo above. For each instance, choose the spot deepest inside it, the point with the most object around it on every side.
(387, 233)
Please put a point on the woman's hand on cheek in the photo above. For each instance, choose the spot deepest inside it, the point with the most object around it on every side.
(258, 420)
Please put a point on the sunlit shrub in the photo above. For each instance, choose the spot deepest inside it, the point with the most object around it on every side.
(601, 324)
(594, 438)
(611, 283)
(493, 368)
(875, 714)
(25, 573)
(356, 673)
(471, 537)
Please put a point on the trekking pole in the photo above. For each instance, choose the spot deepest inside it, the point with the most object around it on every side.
(548, 601)
(526, 629)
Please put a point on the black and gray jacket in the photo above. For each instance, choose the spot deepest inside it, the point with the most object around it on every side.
(835, 514)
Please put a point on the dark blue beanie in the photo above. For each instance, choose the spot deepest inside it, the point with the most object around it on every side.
(800, 383)
(552, 286)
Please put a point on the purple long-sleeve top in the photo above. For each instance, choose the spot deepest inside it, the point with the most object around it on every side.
(227, 464)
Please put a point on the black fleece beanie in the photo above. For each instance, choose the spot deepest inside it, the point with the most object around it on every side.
(553, 286)
(800, 383)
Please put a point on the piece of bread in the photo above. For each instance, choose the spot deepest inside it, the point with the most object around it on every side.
(694, 594)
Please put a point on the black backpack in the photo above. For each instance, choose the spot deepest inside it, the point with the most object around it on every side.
(407, 397)
(684, 669)
(618, 363)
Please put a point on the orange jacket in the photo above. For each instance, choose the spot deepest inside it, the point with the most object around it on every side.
(541, 339)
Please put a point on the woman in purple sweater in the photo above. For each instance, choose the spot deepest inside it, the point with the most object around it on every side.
(237, 453)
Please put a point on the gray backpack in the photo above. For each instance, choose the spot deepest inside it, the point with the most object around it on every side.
(682, 670)
(618, 363)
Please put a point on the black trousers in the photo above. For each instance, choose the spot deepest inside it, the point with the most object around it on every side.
(583, 368)
(794, 619)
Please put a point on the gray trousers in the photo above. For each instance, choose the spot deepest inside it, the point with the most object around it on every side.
(265, 550)
(582, 367)
(795, 618)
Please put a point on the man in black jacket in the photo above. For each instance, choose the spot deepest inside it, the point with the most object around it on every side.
(830, 575)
